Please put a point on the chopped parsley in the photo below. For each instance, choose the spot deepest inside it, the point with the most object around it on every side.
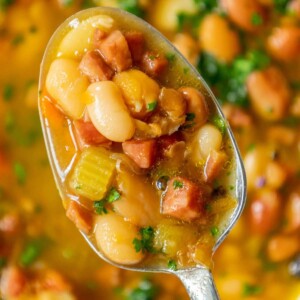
(214, 230)
(229, 79)
(172, 265)
(192, 21)
(219, 123)
(190, 117)
(4, 4)
(251, 147)
(20, 172)
(256, 19)
(32, 250)
(145, 291)
(9, 122)
(67, 3)
(18, 39)
(3, 262)
(99, 207)
(113, 195)
(281, 5)
(8, 92)
(251, 290)
(170, 57)
(132, 6)
(177, 184)
(87, 4)
(206, 6)
(145, 244)
(151, 106)
(187, 20)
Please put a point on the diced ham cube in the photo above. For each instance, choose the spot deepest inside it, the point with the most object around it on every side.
(214, 165)
(153, 64)
(94, 67)
(183, 200)
(87, 134)
(115, 50)
(13, 282)
(80, 216)
(136, 42)
(142, 152)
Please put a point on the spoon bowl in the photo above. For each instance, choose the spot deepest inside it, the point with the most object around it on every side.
(197, 280)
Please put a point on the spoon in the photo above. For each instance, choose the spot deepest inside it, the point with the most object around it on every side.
(198, 280)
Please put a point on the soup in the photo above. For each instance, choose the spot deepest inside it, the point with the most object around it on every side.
(250, 57)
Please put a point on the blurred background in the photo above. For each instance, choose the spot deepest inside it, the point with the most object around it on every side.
(248, 51)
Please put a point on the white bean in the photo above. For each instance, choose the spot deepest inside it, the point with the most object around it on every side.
(66, 85)
(139, 203)
(108, 111)
(209, 138)
(114, 237)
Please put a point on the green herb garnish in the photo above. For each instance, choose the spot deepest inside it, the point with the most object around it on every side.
(170, 57)
(145, 291)
(32, 250)
(132, 6)
(229, 79)
(214, 231)
(3, 261)
(99, 207)
(8, 92)
(251, 290)
(113, 195)
(172, 265)
(145, 244)
(281, 5)
(151, 106)
(18, 39)
(177, 184)
(190, 116)
(67, 3)
(4, 4)
(20, 172)
(219, 123)
(256, 19)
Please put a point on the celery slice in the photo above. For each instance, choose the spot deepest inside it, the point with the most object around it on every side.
(93, 173)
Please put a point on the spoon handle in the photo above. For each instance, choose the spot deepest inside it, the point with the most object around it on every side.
(199, 283)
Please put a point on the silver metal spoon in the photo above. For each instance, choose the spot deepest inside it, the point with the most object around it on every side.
(198, 280)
